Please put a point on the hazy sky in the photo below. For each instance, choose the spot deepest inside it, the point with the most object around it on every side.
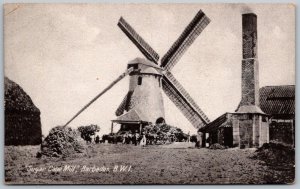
(63, 55)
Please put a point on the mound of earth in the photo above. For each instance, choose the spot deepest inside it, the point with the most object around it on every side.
(61, 142)
(275, 153)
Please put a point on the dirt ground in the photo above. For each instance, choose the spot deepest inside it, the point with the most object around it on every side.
(128, 164)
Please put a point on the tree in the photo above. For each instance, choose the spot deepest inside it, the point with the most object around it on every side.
(87, 131)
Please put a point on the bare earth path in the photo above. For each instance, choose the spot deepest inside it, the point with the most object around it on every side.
(149, 165)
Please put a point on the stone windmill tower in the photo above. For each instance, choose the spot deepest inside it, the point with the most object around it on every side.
(143, 103)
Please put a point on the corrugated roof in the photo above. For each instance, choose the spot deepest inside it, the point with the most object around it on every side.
(277, 100)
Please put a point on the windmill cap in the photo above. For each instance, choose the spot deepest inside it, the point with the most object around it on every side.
(146, 62)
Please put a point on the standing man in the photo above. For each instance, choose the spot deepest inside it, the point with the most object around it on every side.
(189, 137)
(199, 140)
(97, 139)
(130, 138)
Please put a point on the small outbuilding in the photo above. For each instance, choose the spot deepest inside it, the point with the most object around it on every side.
(279, 103)
(278, 123)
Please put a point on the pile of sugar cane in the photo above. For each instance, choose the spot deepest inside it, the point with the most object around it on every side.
(61, 142)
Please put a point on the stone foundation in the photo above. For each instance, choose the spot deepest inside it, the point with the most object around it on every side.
(250, 130)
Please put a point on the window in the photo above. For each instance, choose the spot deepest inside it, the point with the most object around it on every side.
(134, 66)
(159, 82)
(139, 80)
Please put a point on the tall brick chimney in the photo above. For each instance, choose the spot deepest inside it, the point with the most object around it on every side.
(250, 125)
(250, 80)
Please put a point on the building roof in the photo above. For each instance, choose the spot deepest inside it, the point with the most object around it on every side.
(249, 109)
(16, 99)
(131, 116)
(278, 100)
(220, 121)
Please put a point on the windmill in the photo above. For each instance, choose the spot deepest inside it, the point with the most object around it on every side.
(144, 103)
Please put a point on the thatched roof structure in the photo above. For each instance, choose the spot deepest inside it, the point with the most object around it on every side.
(16, 98)
(22, 117)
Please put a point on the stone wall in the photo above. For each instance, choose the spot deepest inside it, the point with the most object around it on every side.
(264, 133)
(250, 130)
(236, 131)
(282, 131)
(256, 129)
(246, 133)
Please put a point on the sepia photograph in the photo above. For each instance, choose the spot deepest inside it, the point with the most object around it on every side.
(149, 93)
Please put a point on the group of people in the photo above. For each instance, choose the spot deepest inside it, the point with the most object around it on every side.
(146, 138)
(142, 138)
(135, 138)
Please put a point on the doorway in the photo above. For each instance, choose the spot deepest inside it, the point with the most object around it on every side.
(228, 136)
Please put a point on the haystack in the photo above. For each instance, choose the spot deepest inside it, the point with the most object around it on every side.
(22, 117)
(61, 142)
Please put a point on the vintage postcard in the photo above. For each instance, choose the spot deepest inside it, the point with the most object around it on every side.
(149, 93)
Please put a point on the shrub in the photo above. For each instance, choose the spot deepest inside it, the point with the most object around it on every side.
(87, 131)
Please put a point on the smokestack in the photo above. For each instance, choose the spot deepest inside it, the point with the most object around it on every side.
(250, 80)
(249, 36)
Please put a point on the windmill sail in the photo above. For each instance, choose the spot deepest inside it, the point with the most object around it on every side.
(188, 36)
(141, 44)
(100, 94)
(124, 104)
(183, 101)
